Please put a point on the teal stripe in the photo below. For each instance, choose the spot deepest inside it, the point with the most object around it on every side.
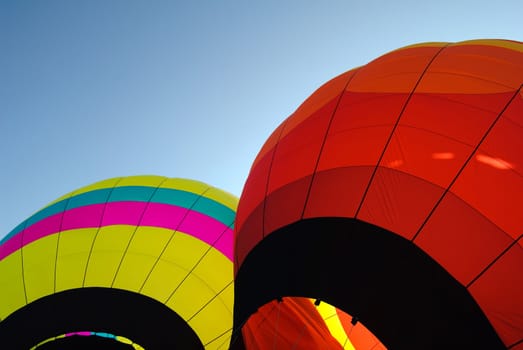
(48, 211)
(216, 210)
(88, 198)
(179, 198)
(13, 232)
(132, 193)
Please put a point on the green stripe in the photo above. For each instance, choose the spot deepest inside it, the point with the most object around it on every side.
(171, 196)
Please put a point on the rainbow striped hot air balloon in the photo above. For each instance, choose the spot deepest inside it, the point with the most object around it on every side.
(146, 260)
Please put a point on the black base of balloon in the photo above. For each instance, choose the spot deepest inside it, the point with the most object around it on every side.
(144, 320)
(396, 290)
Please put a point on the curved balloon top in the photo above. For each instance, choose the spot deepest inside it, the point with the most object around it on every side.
(168, 240)
(423, 142)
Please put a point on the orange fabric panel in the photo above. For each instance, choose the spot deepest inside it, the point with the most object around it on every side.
(360, 129)
(460, 239)
(327, 94)
(398, 202)
(293, 323)
(337, 192)
(461, 117)
(297, 153)
(469, 69)
(499, 292)
(396, 72)
(269, 145)
(425, 155)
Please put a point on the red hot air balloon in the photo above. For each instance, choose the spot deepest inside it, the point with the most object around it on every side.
(394, 193)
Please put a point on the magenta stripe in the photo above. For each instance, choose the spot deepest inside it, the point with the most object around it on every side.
(161, 215)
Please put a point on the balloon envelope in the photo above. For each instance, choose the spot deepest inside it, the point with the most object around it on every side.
(146, 258)
(394, 192)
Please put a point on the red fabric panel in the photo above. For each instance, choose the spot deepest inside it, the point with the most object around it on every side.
(327, 94)
(493, 191)
(426, 155)
(255, 186)
(297, 153)
(337, 192)
(360, 129)
(398, 202)
(285, 205)
(497, 170)
(291, 324)
(460, 239)
(499, 291)
(253, 234)
(269, 145)
(461, 117)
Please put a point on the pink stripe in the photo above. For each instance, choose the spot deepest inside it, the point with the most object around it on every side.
(206, 229)
(13, 244)
(83, 217)
(225, 244)
(123, 213)
(84, 334)
(161, 215)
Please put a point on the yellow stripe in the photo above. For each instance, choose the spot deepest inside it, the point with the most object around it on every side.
(144, 249)
(330, 316)
(39, 263)
(512, 45)
(216, 320)
(107, 252)
(193, 186)
(12, 296)
(73, 251)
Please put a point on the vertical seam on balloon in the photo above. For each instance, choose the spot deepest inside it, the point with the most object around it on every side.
(277, 325)
(264, 318)
(325, 140)
(218, 337)
(193, 267)
(62, 214)
(198, 263)
(299, 337)
(22, 259)
(136, 229)
(269, 175)
(494, 261)
(199, 195)
(411, 94)
(210, 301)
(514, 344)
(465, 163)
(237, 333)
(98, 230)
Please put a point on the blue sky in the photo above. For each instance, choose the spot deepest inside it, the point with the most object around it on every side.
(96, 89)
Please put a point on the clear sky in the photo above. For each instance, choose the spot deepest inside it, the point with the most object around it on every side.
(96, 89)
